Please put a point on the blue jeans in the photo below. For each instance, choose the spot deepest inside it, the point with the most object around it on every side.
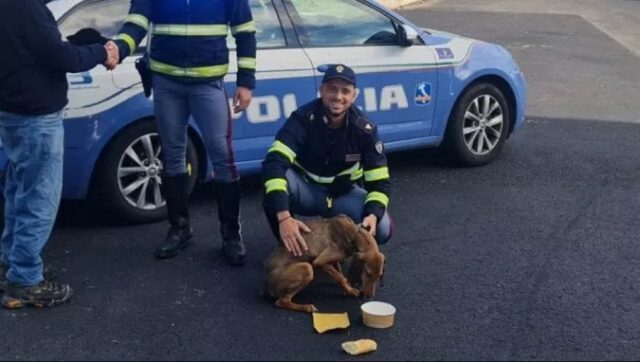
(173, 103)
(34, 146)
(310, 199)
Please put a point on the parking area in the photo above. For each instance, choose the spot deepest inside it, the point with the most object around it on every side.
(535, 256)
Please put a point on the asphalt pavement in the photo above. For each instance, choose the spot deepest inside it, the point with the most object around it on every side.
(534, 256)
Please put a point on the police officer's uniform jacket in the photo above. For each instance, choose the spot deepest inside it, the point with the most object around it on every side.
(189, 37)
(335, 158)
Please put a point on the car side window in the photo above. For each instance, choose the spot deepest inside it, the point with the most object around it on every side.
(106, 17)
(322, 23)
(268, 30)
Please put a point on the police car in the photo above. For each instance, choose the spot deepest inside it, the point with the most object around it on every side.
(421, 87)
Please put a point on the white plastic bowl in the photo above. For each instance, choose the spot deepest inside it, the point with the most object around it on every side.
(378, 314)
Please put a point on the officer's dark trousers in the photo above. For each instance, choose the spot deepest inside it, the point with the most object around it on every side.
(311, 199)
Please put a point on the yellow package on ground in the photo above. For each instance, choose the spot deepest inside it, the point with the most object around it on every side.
(323, 322)
(360, 346)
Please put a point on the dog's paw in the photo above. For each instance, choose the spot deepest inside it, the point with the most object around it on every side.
(353, 292)
(310, 308)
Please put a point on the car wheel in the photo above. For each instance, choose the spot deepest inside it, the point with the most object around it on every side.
(478, 126)
(130, 174)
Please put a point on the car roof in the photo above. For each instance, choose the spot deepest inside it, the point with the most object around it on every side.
(60, 7)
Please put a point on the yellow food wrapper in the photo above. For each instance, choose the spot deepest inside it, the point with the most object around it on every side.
(323, 322)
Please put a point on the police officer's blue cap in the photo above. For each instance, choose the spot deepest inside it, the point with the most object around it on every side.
(339, 71)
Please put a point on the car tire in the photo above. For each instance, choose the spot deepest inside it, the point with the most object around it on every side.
(478, 126)
(122, 178)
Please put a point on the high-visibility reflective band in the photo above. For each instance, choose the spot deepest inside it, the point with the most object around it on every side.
(354, 171)
(314, 177)
(275, 184)
(380, 173)
(138, 19)
(248, 27)
(196, 72)
(282, 149)
(377, 196)
(247, 63)
(129, 40)
(357, 175)
(190, 29)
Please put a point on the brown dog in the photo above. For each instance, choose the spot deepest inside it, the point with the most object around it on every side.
(330, 242)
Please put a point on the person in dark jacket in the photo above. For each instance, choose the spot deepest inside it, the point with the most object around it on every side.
(33, 91)
(189, 58)
(319, 157)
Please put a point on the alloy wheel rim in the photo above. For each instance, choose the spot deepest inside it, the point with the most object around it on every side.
(139, 171)
(483, 124)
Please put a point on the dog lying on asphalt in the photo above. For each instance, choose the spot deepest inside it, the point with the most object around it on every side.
(330, 242)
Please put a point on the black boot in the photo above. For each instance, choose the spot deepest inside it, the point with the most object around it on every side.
(174, 189)
(228, 195)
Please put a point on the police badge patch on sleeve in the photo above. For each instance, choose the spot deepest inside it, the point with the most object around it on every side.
(379, 147)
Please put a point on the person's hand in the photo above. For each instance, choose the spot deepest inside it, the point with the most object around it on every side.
(113, 55)
(241, 99)
(291, 235)
(370, 222)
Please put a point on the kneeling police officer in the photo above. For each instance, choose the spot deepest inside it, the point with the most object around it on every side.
(318, 161)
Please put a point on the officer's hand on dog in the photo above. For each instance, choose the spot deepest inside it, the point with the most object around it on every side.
(241, 99)
(291, 235)
(370, 223)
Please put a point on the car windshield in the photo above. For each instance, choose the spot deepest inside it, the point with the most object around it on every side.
(340, 23)
(106, 17)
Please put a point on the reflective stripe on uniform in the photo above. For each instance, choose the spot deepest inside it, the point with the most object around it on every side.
(314, 177)
(190, 30)
(283, 149)
(357, 175)
(195, 72)
(139, 20)
(129, 40)
(376, 174)
(354, 171)
(247, 63)
(275, 184)
(377, 196)
(248, 27)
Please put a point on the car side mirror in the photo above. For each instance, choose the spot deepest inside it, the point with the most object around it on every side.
(406, 35)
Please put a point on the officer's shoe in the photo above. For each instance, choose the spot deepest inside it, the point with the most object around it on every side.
(178, 237)
(45, 294)
(49, 274)
(234, 250)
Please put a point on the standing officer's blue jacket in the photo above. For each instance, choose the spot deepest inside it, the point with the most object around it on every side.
(189, 37)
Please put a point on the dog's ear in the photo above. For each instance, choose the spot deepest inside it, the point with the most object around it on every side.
(364, 241)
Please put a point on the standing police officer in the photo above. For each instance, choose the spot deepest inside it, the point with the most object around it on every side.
(189, 58)
(319, 156)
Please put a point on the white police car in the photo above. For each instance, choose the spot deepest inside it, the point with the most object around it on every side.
(420, 87)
